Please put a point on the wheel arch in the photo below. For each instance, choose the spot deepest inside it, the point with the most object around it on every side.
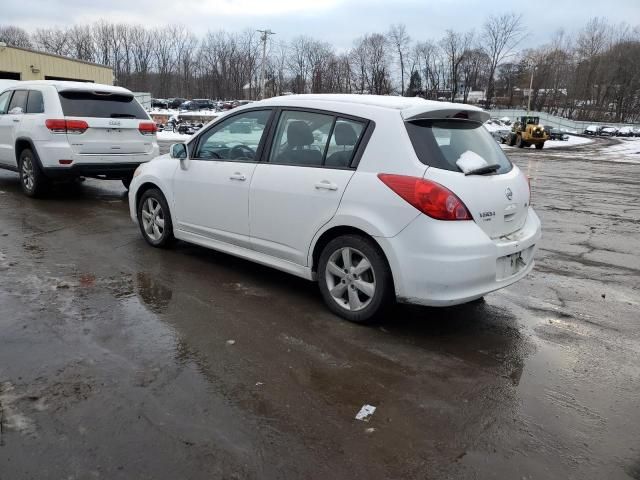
(23, 143)
(146, 186)
(340, 230)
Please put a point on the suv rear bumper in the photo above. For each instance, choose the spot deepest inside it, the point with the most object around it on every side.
(111, 170)
(449, 263)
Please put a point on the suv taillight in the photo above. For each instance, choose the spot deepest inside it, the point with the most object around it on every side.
(147, 128)
(429, 197)
(67, 126)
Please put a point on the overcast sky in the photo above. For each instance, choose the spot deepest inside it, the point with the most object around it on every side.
(336, 21)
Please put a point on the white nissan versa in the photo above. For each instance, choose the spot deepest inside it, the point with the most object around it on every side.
(376, 198)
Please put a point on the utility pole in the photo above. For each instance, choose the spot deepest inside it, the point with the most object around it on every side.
(533, 67)
(264, 38)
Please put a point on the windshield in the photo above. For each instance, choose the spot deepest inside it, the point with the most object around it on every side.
(89, 104)
(443, 143)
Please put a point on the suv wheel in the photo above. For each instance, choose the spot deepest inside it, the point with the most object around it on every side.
(32, 180)
(154, 218)
(354, 278)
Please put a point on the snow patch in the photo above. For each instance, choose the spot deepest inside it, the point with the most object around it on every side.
(469, 161)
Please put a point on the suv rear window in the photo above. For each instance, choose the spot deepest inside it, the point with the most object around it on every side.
(89, 104)
(441, 143)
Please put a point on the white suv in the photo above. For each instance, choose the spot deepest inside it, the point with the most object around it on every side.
(376, 198)
(54, 129)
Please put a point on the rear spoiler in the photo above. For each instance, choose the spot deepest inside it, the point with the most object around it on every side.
(449, 110)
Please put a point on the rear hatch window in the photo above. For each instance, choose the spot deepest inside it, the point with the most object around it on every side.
(443, 143)
(99, 105)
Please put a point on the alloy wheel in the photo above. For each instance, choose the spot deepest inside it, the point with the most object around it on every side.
(28, 176)
(350, 279)
(153, 219)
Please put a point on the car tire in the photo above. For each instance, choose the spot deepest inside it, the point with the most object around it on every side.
(539, 146)
(350, 292)
(154, 219)
(32, 180)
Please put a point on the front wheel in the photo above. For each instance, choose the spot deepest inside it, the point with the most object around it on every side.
(520, 143)
(539, 146)
(32, 180)
(354, 278)
(154, 219)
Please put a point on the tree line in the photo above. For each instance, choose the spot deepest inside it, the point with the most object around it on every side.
(591, 74)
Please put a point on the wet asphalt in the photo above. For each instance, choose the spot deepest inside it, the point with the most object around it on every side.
(120, 361)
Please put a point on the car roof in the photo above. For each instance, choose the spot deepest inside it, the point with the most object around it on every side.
(65, 86)
(410, 108)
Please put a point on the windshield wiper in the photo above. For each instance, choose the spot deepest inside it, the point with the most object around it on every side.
(486, 169)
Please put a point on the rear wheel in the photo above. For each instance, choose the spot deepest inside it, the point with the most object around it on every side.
(354, 278)
(154, 219)
(539, 146)
(519, 142)
(512, 140)
(32, 180)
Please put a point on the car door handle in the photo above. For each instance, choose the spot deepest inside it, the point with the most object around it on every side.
(326, 185)
(238, 176)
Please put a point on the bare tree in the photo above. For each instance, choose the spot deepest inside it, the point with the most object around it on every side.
(454, 46)
(499, 37)
(16, 36)
(399, 38)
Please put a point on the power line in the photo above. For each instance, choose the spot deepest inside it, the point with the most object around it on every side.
(264, 38)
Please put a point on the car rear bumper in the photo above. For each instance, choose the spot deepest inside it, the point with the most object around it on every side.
(448, 263)
(52, 153)
(107, 171)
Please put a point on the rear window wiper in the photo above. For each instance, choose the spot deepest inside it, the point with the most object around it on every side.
(122, 115)
(486, 169)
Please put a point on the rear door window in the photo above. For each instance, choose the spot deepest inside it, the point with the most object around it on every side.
(343, 143)
(35, 103)
(4, 102)
(301, 138)
(442, 143)
(19, 100)
(90, 104)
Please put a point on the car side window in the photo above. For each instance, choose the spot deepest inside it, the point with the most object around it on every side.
(35, 102)
(344, 140)
(301, 138)
(4, 102)
(235, 139)
(19, 100)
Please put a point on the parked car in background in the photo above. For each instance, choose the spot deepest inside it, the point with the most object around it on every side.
(176, 102)
(62, 130)
(557, 134)
(498, 130)
(159, 103)
(636, 131)
(625, 132)
(592, 130)
(198, 104)
(608, 131)
(376, 198)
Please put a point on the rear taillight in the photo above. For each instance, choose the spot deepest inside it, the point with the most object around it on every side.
(147, 128)
(429, 197)
(66, 126)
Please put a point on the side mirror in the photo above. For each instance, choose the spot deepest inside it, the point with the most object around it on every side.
(16, 111)
(178, 150)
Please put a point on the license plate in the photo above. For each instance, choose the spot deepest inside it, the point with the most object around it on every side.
(510, 265)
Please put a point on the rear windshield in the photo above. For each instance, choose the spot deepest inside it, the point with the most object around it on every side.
(89, 104)
(441, 143)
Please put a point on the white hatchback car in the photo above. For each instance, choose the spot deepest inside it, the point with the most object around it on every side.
(376, 198)
(55, 130)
